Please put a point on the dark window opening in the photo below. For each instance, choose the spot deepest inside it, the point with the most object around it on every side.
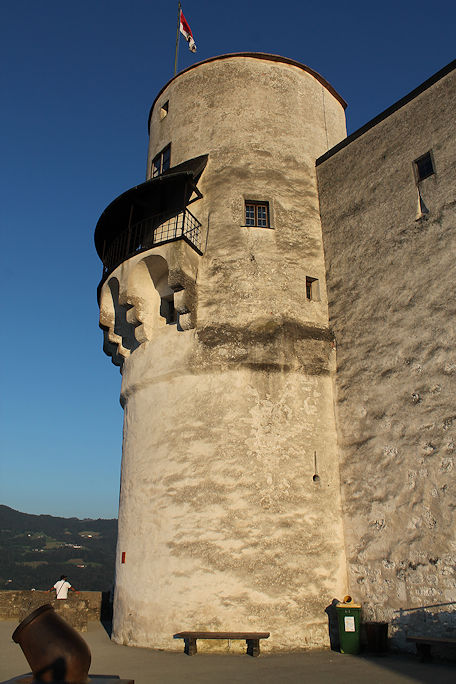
(257, 214)
(312, 289)
(424, 167)
(161, 162)
(167, 310)
(164, 109)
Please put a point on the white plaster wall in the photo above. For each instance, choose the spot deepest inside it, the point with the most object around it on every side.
(221, 521)
(263, 124)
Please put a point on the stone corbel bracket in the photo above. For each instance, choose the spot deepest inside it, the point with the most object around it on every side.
(135, 299)
(184, 300)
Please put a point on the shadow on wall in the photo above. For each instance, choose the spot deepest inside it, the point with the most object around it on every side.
(122, 327)
(333, 626)
(106, 611)
(437, 620)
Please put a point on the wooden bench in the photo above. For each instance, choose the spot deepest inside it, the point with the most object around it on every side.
(424, 644)
(252, 639)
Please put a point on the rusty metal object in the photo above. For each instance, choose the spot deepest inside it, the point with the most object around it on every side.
(54, 650)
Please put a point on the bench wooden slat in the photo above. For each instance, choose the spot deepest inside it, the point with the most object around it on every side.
(431, 640)
(222, 635)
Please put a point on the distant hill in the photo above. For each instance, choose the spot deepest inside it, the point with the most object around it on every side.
(36, 549)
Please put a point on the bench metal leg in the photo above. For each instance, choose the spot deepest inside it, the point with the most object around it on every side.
(253, 647)
(424, 652)
(190, 646)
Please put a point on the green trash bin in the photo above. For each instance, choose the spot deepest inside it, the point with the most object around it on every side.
(349, 618)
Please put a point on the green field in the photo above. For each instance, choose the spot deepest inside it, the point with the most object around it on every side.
(37, 549)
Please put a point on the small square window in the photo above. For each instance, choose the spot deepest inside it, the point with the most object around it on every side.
(424, 167)
(257, 214)
(161, 162)
(164, 110)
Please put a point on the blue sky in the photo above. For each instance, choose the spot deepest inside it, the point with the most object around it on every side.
(77, 81)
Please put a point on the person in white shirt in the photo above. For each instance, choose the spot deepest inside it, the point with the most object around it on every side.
(61, 587)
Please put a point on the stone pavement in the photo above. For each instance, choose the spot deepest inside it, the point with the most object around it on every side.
(156, 667)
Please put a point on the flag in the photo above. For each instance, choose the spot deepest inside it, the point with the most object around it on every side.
(187, 32)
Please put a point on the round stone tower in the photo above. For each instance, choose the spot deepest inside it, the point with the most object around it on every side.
(213, 303)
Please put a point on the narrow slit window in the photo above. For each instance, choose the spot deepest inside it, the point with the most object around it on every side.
(312, 289)
(257, 214)
(161, 162)
(424, 167)
(167, 310)
(164, 110)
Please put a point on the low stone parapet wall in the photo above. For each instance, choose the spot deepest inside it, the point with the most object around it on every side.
(78, 609)
(94, 603)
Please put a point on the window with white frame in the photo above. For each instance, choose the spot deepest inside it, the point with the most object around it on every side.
(257, 214)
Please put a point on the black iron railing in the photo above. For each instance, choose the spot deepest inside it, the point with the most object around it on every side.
(151, 232)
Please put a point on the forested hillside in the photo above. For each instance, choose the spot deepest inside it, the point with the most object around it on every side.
(36, 549)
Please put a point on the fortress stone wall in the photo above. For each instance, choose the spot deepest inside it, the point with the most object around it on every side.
(390, 269)
(287, 384)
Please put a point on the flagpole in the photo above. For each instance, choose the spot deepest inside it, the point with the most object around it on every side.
(177, 37)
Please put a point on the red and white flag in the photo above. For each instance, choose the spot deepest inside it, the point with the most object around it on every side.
(187, 32)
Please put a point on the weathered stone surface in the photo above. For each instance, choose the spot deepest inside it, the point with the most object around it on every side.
(392, 308)
(230, 508)
(228, 416)
(77, 609)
